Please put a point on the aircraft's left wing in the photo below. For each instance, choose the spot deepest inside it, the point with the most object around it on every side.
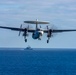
(68, 30)
(17, 29)
(59, 31)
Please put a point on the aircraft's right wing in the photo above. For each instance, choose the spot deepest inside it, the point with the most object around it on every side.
(12, 28)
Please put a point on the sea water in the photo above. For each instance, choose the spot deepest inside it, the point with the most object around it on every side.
(37, 62)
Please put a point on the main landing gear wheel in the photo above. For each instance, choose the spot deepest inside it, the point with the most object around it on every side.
(25, 40)
(47, 41)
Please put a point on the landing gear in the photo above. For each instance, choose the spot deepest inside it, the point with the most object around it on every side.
(47, 41)
(25, 35)
(39, 38)
(25, 40)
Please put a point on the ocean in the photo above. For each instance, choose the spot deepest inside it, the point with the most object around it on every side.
(17, 61)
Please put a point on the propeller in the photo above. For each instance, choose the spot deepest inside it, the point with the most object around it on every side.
(51, 28)
(40, 26)
(47, 27)
(27, 28)
(20, 31)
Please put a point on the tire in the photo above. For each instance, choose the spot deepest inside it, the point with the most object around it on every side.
(47, 41)
(25, 40)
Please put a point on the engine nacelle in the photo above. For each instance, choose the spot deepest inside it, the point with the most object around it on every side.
(49, 33)
(37, 34)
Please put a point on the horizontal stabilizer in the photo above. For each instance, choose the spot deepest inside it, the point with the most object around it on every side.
(36, 22)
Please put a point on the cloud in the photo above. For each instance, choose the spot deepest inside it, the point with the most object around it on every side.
(59, 12)
(22, 9)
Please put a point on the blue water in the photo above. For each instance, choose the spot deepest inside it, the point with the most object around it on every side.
(37, 62)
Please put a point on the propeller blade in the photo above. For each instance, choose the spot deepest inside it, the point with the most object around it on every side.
(20, 31)
(28, 27)
(50, 28)
(53, 27)
(47, 27)
(40, 26)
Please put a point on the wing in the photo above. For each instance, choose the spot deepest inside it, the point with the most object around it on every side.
(12, 28)
(17, 29)
(59, 31)
(68, 30)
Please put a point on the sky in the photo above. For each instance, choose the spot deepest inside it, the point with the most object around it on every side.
(60, 13)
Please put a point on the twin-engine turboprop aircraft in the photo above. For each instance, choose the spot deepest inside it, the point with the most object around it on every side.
(37, 32)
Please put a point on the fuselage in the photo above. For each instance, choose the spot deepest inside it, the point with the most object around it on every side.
(37, 34)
